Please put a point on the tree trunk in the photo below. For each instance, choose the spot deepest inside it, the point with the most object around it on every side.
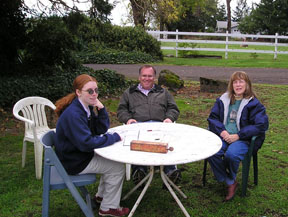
(161, 26)
(228, 15)
(139, 11)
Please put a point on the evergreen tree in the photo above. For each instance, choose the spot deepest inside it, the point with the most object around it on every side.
(268, 17)
(101, 9)
(12, 34)
(242, 10)
(221, 13)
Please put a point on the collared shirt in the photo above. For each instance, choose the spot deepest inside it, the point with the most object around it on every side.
(144, 91)
(86, 109)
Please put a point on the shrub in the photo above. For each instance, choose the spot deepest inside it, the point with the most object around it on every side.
(12, 35)
(53, 87)
(50, 47)
(110, 82)
(74, 20)
(132, 39)
(185, 53)
(116, 57)
(98, 37)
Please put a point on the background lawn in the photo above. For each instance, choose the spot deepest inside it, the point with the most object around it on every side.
(234, 59)
(20, 192)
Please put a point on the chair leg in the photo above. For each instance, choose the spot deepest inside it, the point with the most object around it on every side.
(245, 174)
(38, 152)
(204, 172)
(24, 148)
(255, 167)
(46, 192)
(86, 195)
(84, 207)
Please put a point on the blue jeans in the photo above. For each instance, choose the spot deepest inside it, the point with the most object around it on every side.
(226, 162)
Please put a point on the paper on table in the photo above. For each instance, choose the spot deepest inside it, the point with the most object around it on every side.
(129, 136)
(150, 135)
(153, 136)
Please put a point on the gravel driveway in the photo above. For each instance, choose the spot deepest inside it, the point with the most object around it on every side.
(257, 75)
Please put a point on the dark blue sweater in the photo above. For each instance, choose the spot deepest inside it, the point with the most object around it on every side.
(77, 137)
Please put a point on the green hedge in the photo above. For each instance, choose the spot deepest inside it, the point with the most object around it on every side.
(110, 82)
(99, 37)
(50, 46)
(53, 87)
(132, 39)
(116, 57)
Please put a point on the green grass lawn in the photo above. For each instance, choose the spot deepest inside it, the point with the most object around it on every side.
(234, 59)
(20, 192)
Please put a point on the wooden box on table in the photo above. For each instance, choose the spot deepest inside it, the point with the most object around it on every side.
(157, 147)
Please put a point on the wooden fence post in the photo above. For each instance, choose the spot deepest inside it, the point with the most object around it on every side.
(176, 43)
(276, 43)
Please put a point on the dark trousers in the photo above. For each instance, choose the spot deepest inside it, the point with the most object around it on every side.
(167, 169)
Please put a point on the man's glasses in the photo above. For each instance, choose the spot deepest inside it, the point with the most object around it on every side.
(91, 91)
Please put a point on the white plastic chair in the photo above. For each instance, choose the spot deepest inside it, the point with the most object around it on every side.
(34, 116)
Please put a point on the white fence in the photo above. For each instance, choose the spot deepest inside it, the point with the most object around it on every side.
(228, 41)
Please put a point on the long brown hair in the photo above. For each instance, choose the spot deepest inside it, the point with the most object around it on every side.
(78, 83)
(248, 90)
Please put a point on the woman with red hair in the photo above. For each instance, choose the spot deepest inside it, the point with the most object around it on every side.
(82, 126)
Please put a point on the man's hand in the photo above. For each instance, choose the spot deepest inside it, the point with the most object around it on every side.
(131, 121)
(167, 120)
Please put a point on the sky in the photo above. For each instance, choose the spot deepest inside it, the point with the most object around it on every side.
(120, 12)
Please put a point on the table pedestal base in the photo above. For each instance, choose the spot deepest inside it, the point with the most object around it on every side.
(168, 184)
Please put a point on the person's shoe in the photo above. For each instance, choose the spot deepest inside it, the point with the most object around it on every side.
(231, 191)
(97, 199)
(175, 176)
(122, 211)
(138, 175)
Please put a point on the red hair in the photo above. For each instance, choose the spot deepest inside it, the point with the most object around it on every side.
(78, 83)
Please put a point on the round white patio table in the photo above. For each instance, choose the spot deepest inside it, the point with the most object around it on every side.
(190, 144)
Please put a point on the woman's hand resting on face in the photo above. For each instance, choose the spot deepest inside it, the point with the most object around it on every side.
(98, 104)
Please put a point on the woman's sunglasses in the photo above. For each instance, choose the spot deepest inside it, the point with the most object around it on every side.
(91, 91)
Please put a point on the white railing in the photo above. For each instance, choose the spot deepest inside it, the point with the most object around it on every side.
(227, 42)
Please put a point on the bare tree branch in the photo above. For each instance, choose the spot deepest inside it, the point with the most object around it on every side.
(61, 7)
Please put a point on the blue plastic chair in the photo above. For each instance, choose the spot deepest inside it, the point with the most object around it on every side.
(56, 177)
(245, 167)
